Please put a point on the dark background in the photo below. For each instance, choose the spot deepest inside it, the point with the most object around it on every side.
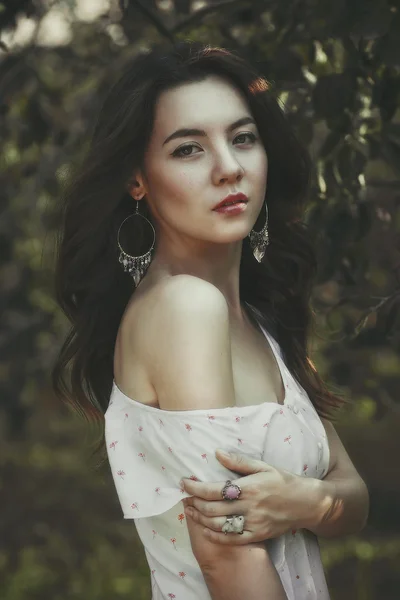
(335, 67)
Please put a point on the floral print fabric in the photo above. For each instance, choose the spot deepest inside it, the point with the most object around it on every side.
(150, 450)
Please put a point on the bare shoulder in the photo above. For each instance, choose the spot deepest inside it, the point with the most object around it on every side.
(188, 355)
(179, 297)
(186, 295)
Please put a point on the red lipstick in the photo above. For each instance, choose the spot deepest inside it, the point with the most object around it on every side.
(232, 199)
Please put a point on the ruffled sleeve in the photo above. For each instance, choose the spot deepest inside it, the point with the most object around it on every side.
(150, 451)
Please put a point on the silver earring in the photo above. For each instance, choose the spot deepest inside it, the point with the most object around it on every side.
(136, 265)
(259, 240)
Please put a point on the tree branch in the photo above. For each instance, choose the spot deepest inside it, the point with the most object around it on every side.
(362, 321)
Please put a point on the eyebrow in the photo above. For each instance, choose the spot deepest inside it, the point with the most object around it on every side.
(185, 132)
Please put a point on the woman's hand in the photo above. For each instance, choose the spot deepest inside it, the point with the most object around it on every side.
(273, 501)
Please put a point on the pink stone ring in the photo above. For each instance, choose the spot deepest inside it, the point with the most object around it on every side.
(231, 491)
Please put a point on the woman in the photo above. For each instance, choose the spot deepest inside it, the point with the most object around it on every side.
(194, 337)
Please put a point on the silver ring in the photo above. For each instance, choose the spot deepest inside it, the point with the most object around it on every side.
(231, 491)
(233, 524)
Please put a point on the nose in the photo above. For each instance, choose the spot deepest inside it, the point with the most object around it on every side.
(227, 168)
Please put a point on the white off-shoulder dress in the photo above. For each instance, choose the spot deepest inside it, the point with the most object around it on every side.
(150, 450)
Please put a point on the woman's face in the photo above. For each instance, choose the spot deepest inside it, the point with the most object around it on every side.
(188, 173)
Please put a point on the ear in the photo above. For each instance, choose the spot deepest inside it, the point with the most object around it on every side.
(136, 186)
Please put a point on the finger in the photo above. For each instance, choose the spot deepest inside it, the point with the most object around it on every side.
(236, 462)
(240, 463)
(229, 539)
(213, 530)
(208, 491)
(215, 523)
(218, 509)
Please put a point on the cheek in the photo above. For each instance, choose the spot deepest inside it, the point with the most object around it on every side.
(178, 182)
(173, 187)
(258, 170)
(263, 162)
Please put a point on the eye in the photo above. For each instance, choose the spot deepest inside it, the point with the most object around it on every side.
(250, 135)
(181, 151)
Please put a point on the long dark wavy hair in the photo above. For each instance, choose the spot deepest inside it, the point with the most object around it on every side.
(91, 287)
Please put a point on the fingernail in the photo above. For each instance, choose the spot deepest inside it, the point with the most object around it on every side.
(223, 453)
(189, 511)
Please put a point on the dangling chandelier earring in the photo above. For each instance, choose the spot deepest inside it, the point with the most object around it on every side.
(259, 240)
(136, 265)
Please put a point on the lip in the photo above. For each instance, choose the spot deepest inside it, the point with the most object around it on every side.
(232, 209)
(239, 197)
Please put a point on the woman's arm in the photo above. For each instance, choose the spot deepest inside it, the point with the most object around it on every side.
(249, 575)
(341, 499)
(235, 572)
(190, 367)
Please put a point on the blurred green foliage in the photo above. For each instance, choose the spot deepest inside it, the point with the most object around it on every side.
(335, 68)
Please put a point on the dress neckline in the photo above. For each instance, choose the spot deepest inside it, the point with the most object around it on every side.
(226, 409)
